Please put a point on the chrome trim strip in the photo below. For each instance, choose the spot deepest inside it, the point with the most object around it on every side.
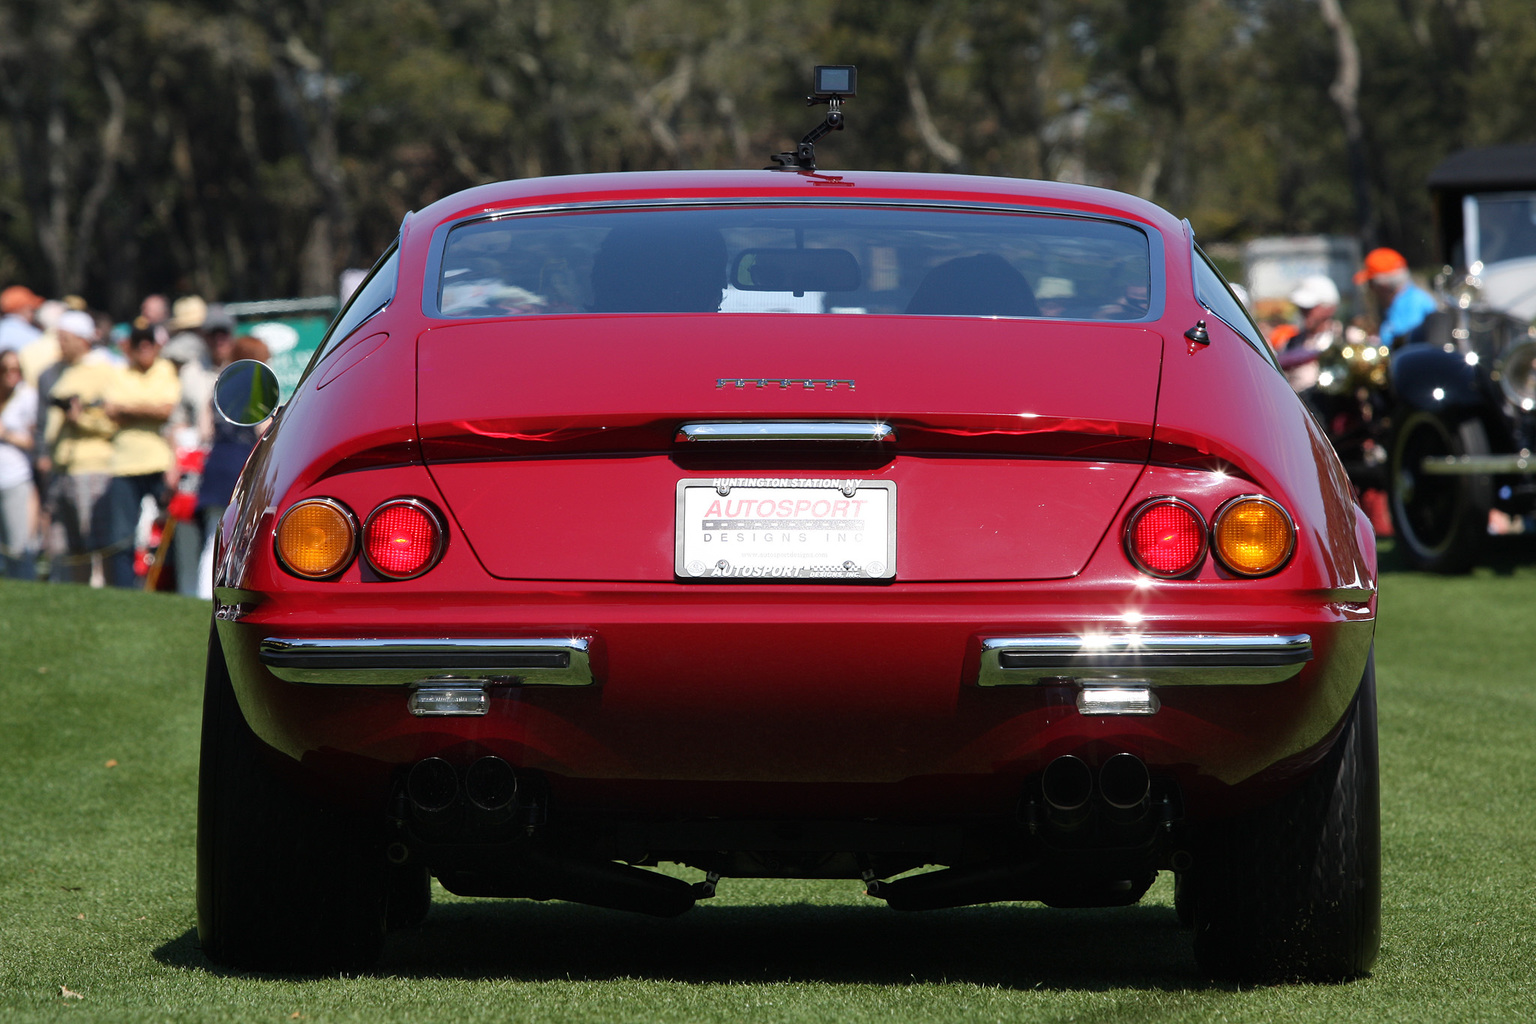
(553, 661)
(1148, 658)
(786, 430)
(1472, 465)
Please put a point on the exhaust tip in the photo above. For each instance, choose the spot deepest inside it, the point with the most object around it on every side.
(432, 785)
(1124, 782)
(1067, 783)
(490, 784)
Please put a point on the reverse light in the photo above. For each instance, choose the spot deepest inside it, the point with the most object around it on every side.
(1129, 698)
(317, 538)
(1165, 537)
(1253, 535)
(403, 538)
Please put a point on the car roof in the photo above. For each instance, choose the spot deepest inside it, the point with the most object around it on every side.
(774, 185)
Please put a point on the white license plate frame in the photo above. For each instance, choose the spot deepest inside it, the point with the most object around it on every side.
(854, 540)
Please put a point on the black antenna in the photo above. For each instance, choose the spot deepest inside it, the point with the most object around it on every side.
(831, 84)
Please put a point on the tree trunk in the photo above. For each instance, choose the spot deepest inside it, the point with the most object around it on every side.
(1345, 93)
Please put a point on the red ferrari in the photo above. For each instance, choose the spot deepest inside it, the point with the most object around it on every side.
(958, 536)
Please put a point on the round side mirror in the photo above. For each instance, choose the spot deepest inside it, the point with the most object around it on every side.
(246, 393)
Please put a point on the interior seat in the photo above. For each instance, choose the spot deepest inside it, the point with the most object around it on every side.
(981, 285)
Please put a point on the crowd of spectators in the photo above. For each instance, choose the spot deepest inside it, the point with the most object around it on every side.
(112, 462)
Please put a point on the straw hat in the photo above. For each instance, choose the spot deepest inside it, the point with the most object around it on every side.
(188, 313)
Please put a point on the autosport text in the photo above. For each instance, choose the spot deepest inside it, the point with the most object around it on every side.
(786, 508)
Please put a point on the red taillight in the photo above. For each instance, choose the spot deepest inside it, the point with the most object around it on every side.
(1166, 537)
(403, 538)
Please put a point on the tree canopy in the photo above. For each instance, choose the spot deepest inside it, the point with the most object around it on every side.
(253, 148)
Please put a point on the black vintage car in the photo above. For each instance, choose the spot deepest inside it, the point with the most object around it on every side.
(1465, 418)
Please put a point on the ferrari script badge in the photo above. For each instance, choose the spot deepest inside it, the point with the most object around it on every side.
(784, 383)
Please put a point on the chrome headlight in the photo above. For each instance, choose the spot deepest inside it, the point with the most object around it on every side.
(1517, 374)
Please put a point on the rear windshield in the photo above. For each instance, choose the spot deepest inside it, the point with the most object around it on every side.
(797, 260)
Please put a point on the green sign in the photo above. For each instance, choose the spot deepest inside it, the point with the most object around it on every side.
(292, 341)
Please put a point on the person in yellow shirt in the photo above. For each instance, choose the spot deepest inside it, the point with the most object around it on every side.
(139, 400)
(79, 435)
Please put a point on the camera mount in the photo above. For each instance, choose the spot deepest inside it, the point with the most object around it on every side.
(831, 84)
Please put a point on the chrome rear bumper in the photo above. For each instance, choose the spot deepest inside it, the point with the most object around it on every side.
(1138, 659)
(1143, 659)
(560, 661)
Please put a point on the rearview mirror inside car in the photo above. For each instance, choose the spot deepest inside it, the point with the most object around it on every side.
(795, 270)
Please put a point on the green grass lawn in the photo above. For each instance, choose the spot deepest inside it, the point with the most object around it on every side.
(99, 709)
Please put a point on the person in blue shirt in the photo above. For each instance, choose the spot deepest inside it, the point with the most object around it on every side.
(1404, 305)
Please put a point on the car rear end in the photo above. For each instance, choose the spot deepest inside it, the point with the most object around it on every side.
(1012, 582)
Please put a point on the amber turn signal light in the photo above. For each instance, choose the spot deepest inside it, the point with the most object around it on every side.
(1165, 537)
(317, 538)
(1253, 536)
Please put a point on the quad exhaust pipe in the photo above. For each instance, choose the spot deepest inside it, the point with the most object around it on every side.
(436, 790)
(1068, 786)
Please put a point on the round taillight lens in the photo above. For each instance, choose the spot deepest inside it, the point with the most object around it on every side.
(1166, 537)
(317, 538)
(403, 538)
(1253, 536)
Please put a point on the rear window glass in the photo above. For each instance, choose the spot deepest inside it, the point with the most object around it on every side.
(797, 260)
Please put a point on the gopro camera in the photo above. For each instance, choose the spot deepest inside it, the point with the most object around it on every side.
(830, 85)
(834, 80)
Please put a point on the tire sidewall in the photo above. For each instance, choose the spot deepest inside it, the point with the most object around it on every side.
(1457, 549)
(1293, 890)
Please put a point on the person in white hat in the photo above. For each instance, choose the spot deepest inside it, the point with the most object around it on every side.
(1317, 299)
(79, 435)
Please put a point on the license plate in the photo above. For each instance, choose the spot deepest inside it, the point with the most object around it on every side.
(734, 528)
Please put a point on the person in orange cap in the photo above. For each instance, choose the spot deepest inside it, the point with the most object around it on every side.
(18, 303)
(1404, 305)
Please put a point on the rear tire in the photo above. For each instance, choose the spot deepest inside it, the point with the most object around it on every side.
(1293, 890)
(1440, 522)
(283, 883)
